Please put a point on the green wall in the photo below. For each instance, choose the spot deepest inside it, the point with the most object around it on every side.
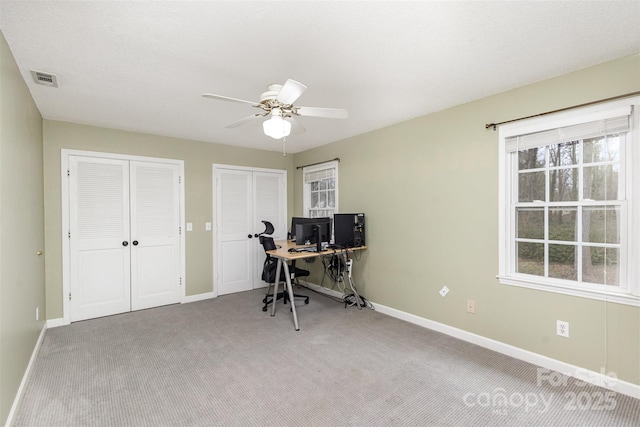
(429, 188)
(198, 160)
(21, 228)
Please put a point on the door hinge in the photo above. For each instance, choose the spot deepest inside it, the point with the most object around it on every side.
(181, 281)
(180, 230)
(69, 234)
(68, 172)
(69, 296)
(179, 180)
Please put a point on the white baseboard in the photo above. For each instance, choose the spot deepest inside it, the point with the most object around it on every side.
(322, 290)
(582, 374)
(198, 297)
(25, 377)
(54, 323)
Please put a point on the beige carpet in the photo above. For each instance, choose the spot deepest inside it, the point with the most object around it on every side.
(224, 362)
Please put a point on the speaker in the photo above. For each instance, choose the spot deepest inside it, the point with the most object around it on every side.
(349, 229)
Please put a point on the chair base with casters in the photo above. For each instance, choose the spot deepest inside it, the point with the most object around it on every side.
(284, 295)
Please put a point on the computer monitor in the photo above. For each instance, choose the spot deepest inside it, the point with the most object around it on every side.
(315, 232)
(302, 220)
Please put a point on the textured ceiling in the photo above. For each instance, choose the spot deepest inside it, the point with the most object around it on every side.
(142, 66)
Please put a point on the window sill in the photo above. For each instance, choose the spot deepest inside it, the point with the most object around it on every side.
(613, 297)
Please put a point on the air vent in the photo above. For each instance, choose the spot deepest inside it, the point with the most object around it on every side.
(46, 79)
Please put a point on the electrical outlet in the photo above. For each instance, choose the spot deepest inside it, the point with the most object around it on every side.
(444, 291)
(37, 313)
(207, 226)
(471, 306)
(562, 328)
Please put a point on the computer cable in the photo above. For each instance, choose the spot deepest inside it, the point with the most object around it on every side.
(331, 297)
(351, 300)
(332, 272)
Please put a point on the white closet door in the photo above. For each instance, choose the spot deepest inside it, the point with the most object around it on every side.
(234, 225)
(269, 204)
(99, 237)
(155, 234)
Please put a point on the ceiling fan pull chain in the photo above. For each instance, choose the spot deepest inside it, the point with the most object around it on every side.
(284, 151)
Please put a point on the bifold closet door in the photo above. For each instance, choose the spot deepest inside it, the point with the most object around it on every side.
(269, 203)
(155, 234)
(124, 236)
(99, 237)
(234, 225)
(243, 199)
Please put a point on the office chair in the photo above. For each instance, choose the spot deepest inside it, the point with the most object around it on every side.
(269, 270)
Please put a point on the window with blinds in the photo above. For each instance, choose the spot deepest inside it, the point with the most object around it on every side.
(320, 190)
(568, 221)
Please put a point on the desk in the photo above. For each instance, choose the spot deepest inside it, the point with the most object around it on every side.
(283, 256)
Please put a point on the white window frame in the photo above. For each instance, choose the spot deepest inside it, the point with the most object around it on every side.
(307, 186)
(629, 291)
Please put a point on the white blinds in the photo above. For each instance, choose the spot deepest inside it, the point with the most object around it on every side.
(607, 125)
(327, 170)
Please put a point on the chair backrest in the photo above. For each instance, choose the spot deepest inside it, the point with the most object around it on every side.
(270, 264)
(267, 243)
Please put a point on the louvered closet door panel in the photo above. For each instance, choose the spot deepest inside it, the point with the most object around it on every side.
(233, 226)
(269, 201)
(99, 224)
(155, 222)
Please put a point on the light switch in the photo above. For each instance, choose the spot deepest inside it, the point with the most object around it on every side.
(207, 226)
(189, 226)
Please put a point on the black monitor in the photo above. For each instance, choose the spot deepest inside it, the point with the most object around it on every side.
(302, 220)
(315, 232)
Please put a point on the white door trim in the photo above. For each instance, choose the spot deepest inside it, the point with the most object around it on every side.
(64, 197)
(214, 169)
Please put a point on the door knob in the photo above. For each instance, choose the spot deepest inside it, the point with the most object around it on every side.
(249, 236)
(135, 243)
(125, 243)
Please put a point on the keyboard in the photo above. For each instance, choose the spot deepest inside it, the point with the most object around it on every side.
(306, 249)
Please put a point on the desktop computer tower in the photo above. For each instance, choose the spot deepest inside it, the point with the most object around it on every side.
(348, 229)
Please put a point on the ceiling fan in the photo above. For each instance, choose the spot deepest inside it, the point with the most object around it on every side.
(277, 105)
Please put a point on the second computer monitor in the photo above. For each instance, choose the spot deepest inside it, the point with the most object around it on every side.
(303, 220)
(313, 232)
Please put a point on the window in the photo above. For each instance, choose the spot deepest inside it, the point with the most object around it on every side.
(569, 202)
(320, 190)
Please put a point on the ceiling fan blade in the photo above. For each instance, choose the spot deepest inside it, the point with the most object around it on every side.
(290, 91)
(243, 121)
(329, 113)
(226, 98)
(296, 127)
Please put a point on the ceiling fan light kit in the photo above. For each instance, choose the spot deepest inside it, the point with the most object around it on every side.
(276, 127)
(277, 102)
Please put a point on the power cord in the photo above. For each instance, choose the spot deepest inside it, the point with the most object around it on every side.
(336, 269)
(351, 300)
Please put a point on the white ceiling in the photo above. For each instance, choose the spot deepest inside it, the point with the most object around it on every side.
(142, 66)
